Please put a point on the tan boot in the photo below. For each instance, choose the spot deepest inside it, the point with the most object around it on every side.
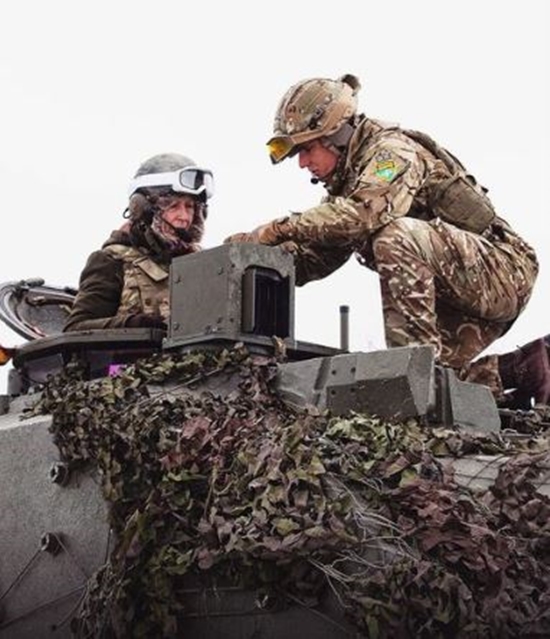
(526, 371)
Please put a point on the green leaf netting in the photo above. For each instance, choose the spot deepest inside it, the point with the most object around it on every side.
(239, 485)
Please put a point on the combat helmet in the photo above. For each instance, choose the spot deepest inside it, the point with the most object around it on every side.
(176, 173)
(165, 174)
(312, 109)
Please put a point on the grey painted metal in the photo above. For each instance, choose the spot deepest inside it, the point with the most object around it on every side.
(53, 529)
(36, 360)
(208, 300)
(34, 310)
(41, 581)
(471, 407)
(344, 327)
(479, 472)
(54, 534)
(395, 383)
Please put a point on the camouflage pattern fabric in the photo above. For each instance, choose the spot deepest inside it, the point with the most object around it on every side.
(117, 282)
(441, 285)
(455, 290)
(145, 288)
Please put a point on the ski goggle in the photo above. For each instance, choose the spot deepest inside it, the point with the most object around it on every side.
(191, 179)
(280, 147)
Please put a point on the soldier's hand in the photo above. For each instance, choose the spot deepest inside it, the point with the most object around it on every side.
(241, 237)
(265, 234)
(290, 247)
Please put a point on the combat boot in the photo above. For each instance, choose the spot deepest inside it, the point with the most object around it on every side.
(527, 371)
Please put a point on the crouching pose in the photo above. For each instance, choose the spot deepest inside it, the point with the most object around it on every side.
(453, 273)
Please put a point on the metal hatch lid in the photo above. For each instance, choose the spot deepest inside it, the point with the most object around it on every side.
(33, 309)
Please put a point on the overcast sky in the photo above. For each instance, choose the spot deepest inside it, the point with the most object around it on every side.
(91, 89)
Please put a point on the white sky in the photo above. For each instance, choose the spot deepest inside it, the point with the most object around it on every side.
(91, 89)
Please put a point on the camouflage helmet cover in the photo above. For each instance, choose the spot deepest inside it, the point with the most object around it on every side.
(312, 109)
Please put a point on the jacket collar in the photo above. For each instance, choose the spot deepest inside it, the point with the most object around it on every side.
(365, 130)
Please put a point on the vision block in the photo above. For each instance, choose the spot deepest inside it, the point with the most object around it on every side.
(234, 292)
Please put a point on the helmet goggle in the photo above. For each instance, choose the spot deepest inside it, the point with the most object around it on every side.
(191, 179)
(281, 147)
(321, 112)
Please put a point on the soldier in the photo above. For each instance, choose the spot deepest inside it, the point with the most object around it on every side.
(452, 273)
(125, 283)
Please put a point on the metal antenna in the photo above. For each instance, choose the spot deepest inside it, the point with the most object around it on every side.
(344, 328)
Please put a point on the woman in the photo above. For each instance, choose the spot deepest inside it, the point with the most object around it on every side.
(125, 283)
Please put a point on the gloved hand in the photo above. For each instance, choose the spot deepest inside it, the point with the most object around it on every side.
(143, 320)
(242, 237)
(290, 247)
(265, 234)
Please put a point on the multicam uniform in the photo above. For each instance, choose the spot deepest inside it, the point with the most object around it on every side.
(126, 282)
(117, 282)
(458, 290)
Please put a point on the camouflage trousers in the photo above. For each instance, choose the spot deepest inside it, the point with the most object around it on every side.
(455, 290)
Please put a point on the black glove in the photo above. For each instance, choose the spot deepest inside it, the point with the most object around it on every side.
(142, 320)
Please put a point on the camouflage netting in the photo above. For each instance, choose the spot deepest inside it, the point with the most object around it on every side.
(292, 503)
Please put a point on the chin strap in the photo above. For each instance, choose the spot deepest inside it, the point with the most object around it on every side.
(337, 143)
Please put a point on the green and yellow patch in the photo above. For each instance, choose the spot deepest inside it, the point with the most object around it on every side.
(386, 166)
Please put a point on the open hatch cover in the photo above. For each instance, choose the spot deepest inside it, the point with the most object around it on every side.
(33, 309)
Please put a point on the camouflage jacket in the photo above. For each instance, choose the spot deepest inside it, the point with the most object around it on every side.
(117, 282)
(387, 173)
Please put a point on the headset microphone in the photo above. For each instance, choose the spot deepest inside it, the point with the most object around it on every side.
(181, 233)
(315, 180)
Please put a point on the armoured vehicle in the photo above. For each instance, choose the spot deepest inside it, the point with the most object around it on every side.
(55, 529)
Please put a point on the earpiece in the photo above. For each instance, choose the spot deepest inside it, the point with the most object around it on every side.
(140, 207)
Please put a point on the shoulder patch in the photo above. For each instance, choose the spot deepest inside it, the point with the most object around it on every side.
(387, 166)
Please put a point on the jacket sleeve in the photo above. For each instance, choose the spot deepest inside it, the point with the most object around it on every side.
(390, 174)
(98, 298)
(315, 262)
